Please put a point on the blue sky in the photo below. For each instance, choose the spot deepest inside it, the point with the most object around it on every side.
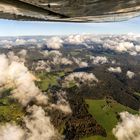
(18, 28)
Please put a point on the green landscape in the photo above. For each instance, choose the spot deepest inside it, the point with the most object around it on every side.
(10, 110)
(78, 90)
(105, 112)
(46, 80)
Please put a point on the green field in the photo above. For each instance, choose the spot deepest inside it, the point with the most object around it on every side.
(137, 93)
(48, 79)
(105, 114)
(10, 111)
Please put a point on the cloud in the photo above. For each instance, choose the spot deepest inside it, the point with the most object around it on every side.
(64, 107)
(130, 74)
(63, 61)
(118, 43)
(25, 89)
(115, 70)
(52, 53)
(42, 65)
(99, 60)
(137, 48)
(12, 132)
(17, 41)
(121, 44)
(80, 77)
(83, 64)
(113, 62)
(14, 74)
(57, 59)
(79, 62)
(7, 46)
(6, 43)
(128, 128)
(32, 40)
(66, 61)
(76, 39)
(20, 41)
(125, 46)
(39, 125)
(54, 57)
(62, 103)
(23, 53)
(12, 57)
(36, 124)
(60, 61)
(4, 63)
(45, 53)
(54, 43)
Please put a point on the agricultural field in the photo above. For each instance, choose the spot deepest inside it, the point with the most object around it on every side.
(46, 80)
(106, 113)
(10, 110)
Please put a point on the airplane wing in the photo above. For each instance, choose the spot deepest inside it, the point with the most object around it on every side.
(69, 10)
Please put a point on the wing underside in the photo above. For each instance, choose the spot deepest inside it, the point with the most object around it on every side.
(70, 10)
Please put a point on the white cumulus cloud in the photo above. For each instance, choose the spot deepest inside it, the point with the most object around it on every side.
(115, 69)
(128, 128)
(55, 43)
(130, 74)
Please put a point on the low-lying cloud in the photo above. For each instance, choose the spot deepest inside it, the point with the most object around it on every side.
(39, 125)
(23, 53)
(14, 74)
(42, 65)
(76, 39)
(130, 74)
(115, 69)
(62, 103)
(54, 43)
(36, 124)
(61, 61)
(117, 43)
(99, 59)
(128, 43)
(12, 132)
(80, 77)
(47, 53)
(56, 58)
(79, 62)
(128, 128)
